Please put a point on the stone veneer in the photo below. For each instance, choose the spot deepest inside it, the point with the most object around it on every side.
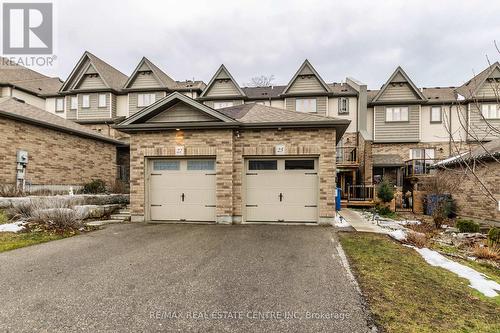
(230, 149)
(55, 157)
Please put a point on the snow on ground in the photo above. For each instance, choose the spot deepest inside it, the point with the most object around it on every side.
(12, 227)
(399, 235)
(477, 280)
(341, 222)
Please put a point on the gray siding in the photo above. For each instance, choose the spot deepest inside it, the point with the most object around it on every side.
(209, 103)
(306, 84)
(479, 127)
(145, 80)
(181, 112)
(70, 114)
(398, 91)
(93, 112)
(397, 131)
(113, 105)
(224, 87)
(132, 101)
(88, 82)
(489, 90)
(321, 104)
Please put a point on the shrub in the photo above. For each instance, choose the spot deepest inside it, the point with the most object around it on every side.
(56, 219)
(385, 191)
(22, 210)
(11, 190)
(484, 252)
(417, 239)
(385, 212)
(3, 217)
(467, 226)
(96, 186)
(494, 236)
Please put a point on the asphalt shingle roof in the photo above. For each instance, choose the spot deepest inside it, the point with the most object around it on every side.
(113, 77)
(468, 88)
(387, 160)
(21, 111)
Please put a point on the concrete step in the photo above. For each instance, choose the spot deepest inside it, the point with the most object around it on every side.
(124, 211)
(101, 222)
(122, 217)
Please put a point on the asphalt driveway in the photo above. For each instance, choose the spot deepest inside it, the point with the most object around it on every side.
(186, 278)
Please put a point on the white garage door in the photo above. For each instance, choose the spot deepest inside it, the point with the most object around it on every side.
(182, 190)
(283, 190)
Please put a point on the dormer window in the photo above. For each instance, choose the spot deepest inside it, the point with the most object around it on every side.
(398, 113)
(343, 105)
(305, 104)
(145, 99)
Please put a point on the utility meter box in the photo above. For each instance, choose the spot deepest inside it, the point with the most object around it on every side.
(22, 156)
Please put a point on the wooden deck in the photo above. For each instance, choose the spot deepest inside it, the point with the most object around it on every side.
(356, 203)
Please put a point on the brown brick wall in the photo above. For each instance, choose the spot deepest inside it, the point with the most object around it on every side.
(107, 130)
(230, 149)
(55, 157)
(471, 198)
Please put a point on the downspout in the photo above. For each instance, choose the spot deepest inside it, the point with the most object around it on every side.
(450, 132)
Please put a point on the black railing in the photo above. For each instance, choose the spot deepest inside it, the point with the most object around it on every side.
(360, 192)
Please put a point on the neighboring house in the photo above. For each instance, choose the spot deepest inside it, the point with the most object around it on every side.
(60, 152)
(28, 85)
(478, 173)
(243, 163)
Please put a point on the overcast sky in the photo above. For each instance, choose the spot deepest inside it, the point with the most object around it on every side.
(436, 42)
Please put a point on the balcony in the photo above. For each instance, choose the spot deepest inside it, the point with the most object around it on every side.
(358, 195)
(419, 167)
(347, 156)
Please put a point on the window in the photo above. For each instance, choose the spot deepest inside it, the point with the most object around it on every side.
(145, 99)
(166, 165)
(436, 114)
(398, 113)
(299, 164)
(343, 105)
(85, 101)
(59, 104)
(491, 111)
(74, 103)
(305, 104)
(421, 153)
(201, 165)
(263, 165)
(102, 100)
(220, 105)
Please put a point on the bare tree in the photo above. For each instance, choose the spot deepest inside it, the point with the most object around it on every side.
(261, 81)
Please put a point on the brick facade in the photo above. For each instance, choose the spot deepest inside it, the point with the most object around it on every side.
(471, 198)
(442, 149)
(230, 148)
(55, 158)
(108, 130)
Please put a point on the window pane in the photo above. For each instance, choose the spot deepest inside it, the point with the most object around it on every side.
(201, 165)
(166, 165)
(435, 114)
(60, 104)
(404, 114)
(388, 114)
(299, 164)
(74, 103)
(305, 104)
(263, 165)
(102, 100)
(85, 101)
(429, 153)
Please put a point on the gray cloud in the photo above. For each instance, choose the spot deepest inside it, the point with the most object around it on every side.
(436, 42)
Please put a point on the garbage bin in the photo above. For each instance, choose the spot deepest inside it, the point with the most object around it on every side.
(337, 199)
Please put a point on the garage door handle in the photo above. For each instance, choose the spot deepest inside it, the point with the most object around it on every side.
(281, 196)
(251, 205)
(182, 197)
(155, 205)
(310, 206)
(209, 205)
(251, 174)
(310, 173)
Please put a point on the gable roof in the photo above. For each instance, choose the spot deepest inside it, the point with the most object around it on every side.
(160, 105)
(470, 88)
(306, 65)
(163, 79)
(222, 71)
(112, 78)
(399, 75)
(20, 111)
(263, 92)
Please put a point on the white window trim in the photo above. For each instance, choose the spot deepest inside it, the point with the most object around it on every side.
(440, 120)
(223, 104)
(342, 110)
(306, 105)
(99, 104)
(390, 113)
(59, 107)
(144, 100)
(489, 112)
(73, 102)
(85, 105)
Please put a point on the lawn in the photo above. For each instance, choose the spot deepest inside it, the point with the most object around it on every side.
(11, 241)
(405, 294)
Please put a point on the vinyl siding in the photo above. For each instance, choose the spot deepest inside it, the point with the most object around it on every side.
(181, 112)
(145, 80)
(235, 102)
(321, 104)
(70, 114)
(480, 128)
(93, 112)
(489, 90)
(306, 84)
(223, 87)
(397, 131)
(113, 105)
(132, 101)
(400, 91)
(91, 83)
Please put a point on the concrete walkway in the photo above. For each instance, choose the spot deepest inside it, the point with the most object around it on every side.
(360, 224)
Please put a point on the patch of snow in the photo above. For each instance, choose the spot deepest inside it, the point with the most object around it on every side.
(340, 222)
(408, 222)
(12, 227)
(399, 235)
(477, 280)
